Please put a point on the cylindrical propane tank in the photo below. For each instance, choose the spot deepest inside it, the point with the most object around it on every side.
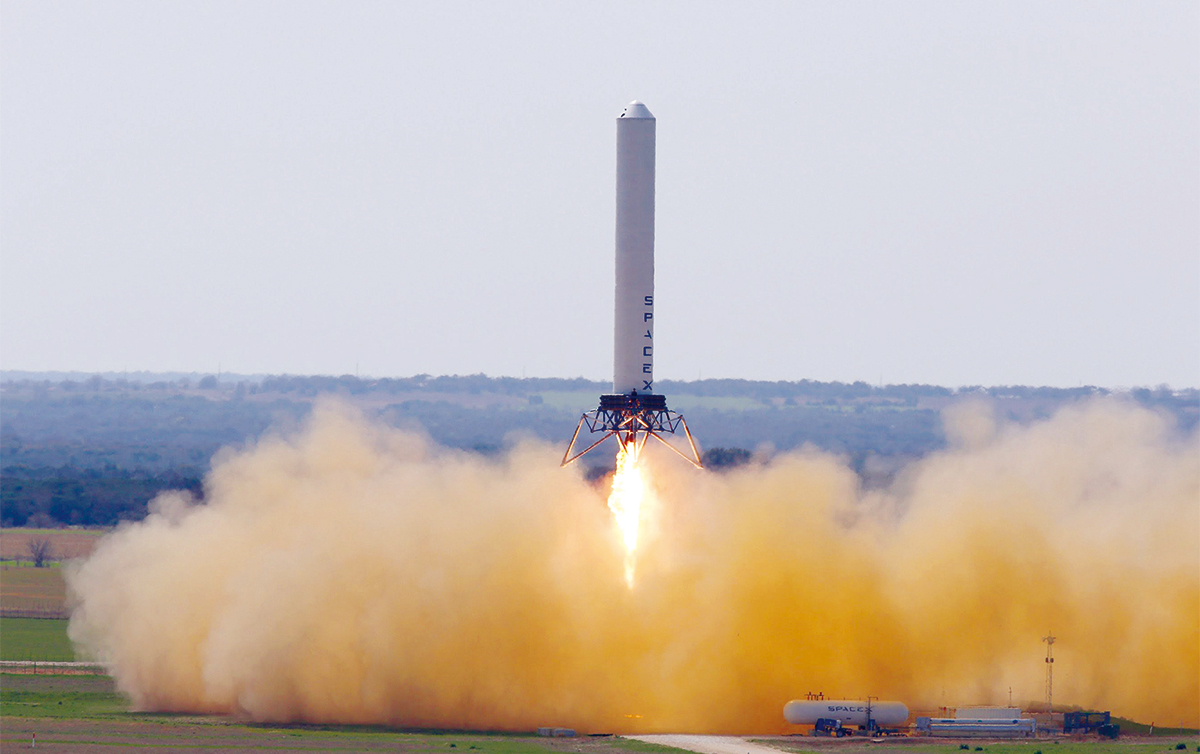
(854, 712)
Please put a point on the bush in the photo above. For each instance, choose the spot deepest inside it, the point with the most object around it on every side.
(40, 551)
(964, 747)
(1180, 746)
(726, 458)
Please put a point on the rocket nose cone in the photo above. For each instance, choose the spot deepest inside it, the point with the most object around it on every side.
(635, 109)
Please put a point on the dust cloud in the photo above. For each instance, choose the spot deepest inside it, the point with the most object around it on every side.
(353, 573)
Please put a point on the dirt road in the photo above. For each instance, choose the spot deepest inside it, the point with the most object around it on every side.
(708, 744)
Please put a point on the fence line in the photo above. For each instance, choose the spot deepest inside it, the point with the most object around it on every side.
(43, 610)
(41, 667)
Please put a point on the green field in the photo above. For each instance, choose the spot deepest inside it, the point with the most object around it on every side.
(52, 707)
(77, 697)
(1129, 727)
(42, 639)
(716, 402)
(573, 400)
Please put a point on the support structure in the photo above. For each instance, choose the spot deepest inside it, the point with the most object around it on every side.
(1049, 639)
(633, 419)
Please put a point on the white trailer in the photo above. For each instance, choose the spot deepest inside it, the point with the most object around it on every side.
(981, 727)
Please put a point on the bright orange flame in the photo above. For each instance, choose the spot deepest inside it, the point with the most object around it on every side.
(625, 501)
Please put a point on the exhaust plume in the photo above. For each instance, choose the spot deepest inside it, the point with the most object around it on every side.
(354, 573)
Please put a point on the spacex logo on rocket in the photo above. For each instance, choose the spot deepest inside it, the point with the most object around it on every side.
(633, 412)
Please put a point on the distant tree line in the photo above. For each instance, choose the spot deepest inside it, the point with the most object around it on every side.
(424, 383)
(812, 390)
(130, 430)
(67, 495)
(94, 451)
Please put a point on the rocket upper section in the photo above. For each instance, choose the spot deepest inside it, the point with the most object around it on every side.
(635, 109)
(633, 341)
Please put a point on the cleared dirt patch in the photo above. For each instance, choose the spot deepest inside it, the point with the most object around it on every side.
(710, 744)
(66, 543)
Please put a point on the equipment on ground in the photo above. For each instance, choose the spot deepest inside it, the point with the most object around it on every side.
(829, 727)
(1087, 722)
(1109, 730)
(982, 727)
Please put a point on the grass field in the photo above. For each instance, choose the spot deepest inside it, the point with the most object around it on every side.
(85, 714)
(26, 583)
(683, 402)
(1129, 727)
(29, 592)
(645, 747)
(570, 400)
(850, 746)
(41, 639)
(80, 697)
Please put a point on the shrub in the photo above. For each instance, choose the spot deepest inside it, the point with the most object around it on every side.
(40, 551)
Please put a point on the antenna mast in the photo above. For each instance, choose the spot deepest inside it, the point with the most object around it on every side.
(1049, 672)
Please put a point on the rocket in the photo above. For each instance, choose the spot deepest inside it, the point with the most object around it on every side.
(633, 335)
(633, 412)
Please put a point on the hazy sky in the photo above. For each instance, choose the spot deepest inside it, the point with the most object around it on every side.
(952, 193)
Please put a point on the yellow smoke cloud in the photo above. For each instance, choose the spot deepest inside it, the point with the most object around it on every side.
(353, 573)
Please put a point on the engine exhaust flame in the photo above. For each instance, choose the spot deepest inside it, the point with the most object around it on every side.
(625, 501)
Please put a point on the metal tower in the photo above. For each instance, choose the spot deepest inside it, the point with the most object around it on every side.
(1049, 672)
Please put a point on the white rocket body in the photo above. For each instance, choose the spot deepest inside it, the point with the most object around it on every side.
(633, 412)
(633, 341)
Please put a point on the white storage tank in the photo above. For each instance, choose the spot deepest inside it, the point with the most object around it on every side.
(849, 712)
